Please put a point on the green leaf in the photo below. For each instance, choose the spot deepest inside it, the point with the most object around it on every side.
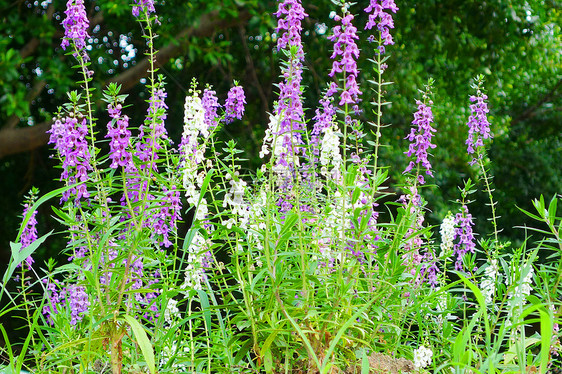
(204, 300)
(142, 341)
(19, 255)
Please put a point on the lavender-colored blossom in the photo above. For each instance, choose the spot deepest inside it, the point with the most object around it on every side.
(323, 120)
(78, 302)
(287, 125)
(429, 269)
(29, 233)
(75, 297)
(464, 235)
(210, 104)
(478, 125)
(345, 46)
(69, 136)
(234, 106)
(380, 18)
(413, 204)
(76, 27)
(146, 149)
(54, 299)
(118, 132)
(420, 138)
(167, 216)
(289, 107)
(142, 6)
(289, 16)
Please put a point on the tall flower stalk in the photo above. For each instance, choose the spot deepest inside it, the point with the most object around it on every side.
(478, 132)
(380, 19)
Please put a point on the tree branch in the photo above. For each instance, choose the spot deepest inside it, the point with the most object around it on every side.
(531, 111)
(16, 140)
(23, 139)
(208, 24)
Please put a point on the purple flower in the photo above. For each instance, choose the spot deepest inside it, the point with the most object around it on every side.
(381, 20)
(478, 125)
(78, 303)
(75, 297)
(345, 46)
(54, 299)
(76, 27)
(118, 132)
(287, 124)
(210, 104)
(323, 120)
(420, 138)
(149, 144)
(29, 233)
(142, 6)
(289, 16)
(429, 269)
(234, 106)
(463, 232)
(69, 136)
(167, 216)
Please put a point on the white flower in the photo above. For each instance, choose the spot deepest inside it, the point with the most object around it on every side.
(522, 288)
(422, 357)
(488, 284)
(171, 311)
(178, 354)
(194, 117)
(330, 146)
(195, 271)
(447, 231)
(270, 135)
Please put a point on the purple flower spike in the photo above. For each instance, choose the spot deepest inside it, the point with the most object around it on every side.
(69, 136)
(345, 46)
(463, 232)
(234, 106)
(29, 233)
(142, 6)
(210, 104)
(478, 125)
(78, 303)
(381, 20)
(166, 218)
(76, 27)
(151, 142)
(118, 132)
(323, 120)
(420, 138)
(289, 15)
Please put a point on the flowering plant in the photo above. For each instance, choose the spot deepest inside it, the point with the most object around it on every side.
(290, 269)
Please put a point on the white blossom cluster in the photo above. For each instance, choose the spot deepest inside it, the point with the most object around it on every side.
(177, 354)
(271, 139)
(195, 269)
(255, 223)
(276, 142)
(234, 198)
(194, 116)
(331, 230)
(330, 150)
(172, 312)
(422, 357)
(521, 290)
(193, 153)
(488, 283)
(447, 232)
